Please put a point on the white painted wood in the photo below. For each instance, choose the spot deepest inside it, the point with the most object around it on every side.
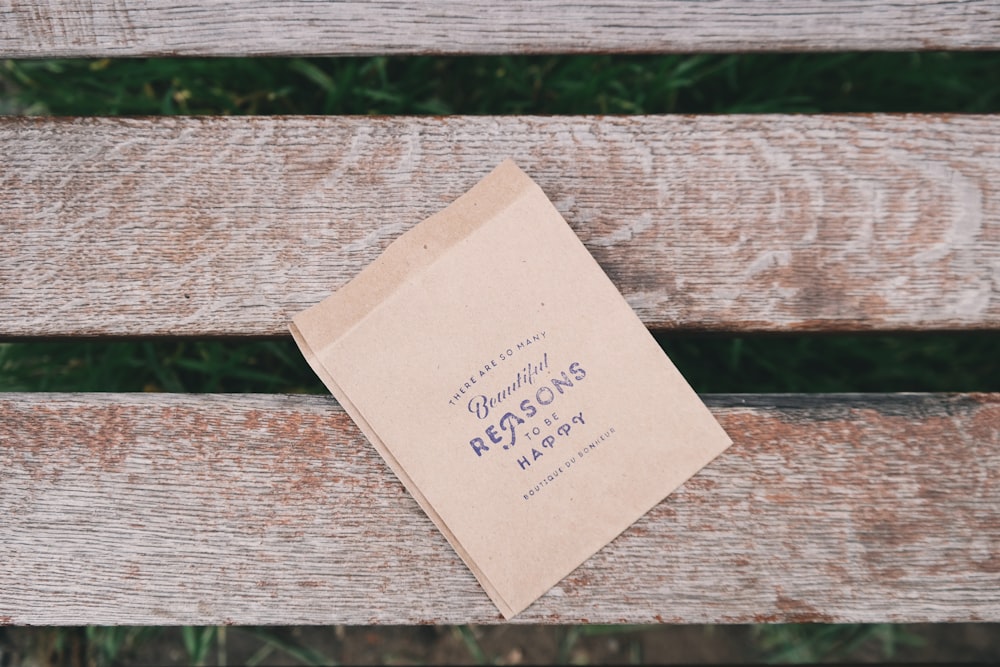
(45, 28)
(206, 509)
(229, 226)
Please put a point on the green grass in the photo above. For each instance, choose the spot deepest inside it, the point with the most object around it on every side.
(798, 644)
(712, 364)
(877, 82)
(960, 82)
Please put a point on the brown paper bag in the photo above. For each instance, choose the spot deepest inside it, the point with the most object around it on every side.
(508, 384)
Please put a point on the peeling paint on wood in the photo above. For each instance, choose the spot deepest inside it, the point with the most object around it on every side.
(192, 509)
(228, 226)
(114, 28)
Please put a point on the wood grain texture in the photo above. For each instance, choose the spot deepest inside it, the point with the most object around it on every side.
(229, 226)
(39, 28)
(162, 509)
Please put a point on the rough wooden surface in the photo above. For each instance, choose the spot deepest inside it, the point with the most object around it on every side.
(145, 508)
(33, 28)
(229, 226)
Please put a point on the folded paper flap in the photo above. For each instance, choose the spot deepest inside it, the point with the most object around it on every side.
(412, 252)
(508, 384)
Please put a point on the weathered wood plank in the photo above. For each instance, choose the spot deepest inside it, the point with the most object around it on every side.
(158, 508)
(228, 226)
(34, 28)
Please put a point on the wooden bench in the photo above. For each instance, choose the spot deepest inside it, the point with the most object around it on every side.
(256, 509)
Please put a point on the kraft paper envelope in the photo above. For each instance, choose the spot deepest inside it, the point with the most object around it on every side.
(508, 384)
